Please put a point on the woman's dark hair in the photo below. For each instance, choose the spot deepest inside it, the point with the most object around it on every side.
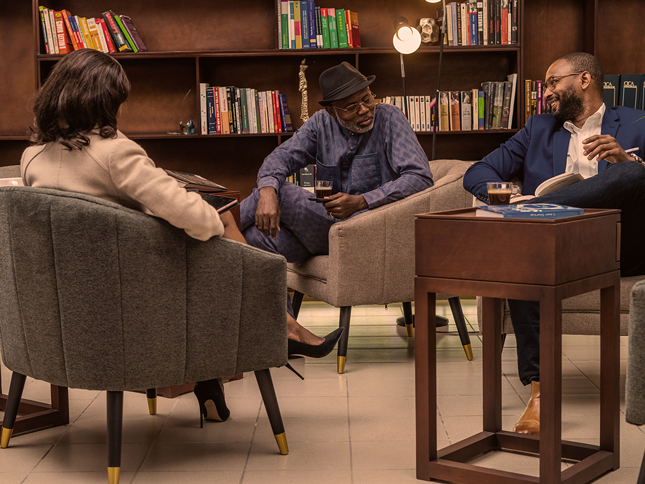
(84, 91)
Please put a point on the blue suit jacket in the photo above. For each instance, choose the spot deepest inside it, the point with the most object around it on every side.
(539, 151)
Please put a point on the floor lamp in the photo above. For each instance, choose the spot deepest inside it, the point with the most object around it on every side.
(406, 41)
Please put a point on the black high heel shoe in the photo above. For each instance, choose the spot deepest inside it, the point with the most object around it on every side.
(212, 405)
(296, 348)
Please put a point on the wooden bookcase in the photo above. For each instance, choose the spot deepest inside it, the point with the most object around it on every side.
(236, 43)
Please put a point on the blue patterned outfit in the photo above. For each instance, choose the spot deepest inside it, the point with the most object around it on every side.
(384, 165)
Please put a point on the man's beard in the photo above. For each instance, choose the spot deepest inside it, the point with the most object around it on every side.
(570, 106)
(354, 127)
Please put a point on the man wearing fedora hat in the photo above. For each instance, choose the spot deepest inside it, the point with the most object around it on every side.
(367, 150)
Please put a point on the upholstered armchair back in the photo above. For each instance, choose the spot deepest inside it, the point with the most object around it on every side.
(94, 295)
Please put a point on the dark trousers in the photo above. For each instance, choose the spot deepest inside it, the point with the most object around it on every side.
(620, 186)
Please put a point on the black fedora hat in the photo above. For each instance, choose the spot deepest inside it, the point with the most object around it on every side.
(342, 81)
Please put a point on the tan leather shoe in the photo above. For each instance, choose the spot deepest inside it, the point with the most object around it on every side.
(529, 422)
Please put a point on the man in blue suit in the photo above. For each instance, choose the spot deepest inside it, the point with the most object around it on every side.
(582, 135)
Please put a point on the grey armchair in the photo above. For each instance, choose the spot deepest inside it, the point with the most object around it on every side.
(371, 255)
(635, 383)
(101, 297)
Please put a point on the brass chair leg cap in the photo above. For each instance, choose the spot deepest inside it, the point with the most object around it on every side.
(341, 364)
(469, 352)
(152, 406)
(6, 436)
(114, 474)
(410, 329)
(281, 439)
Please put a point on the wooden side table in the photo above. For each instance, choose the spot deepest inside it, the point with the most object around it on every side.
(543, 260)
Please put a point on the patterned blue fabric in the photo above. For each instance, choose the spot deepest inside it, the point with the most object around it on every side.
(384, 165)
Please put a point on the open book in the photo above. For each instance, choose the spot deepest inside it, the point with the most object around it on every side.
(551, 185)
(190, 181)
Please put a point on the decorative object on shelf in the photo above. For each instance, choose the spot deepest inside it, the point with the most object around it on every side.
(188, 127)
(302, 87)
(429, 30)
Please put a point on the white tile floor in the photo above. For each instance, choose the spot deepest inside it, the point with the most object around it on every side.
(354, 428)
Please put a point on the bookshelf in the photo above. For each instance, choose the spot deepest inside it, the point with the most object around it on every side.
(236, 43)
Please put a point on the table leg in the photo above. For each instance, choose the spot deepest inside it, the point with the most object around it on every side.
(426, 379)
(550, 387)
(610, 371)
(492, 363)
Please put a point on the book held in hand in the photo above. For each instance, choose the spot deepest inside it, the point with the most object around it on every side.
(190, 181)
(551, 185)
(528, 210)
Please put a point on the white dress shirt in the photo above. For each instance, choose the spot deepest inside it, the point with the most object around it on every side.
(577, 162)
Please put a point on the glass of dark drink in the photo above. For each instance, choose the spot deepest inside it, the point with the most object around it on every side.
(499, 193)
(323, 188)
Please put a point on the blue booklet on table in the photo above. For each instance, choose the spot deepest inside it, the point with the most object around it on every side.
(528, 210)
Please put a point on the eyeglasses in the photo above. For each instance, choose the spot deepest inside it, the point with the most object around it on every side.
(368, 101)
(553, 80)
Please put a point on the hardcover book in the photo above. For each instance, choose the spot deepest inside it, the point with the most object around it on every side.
(62, 38)
(126, 34)
(43, 25)
(348, 27)
(611, 92)
(313, 30)
(120, 42)
(629, 90)
(513, 80)
(134, 33)
(356, 36)
(284, 24)
(455, 115)
(333, 28)
(466, 111)
(498, 105)
(87, 35)
(342, 28)
(506, 106)
(444, 111)
(528, 211)
(73, 36)
(304, 24)
(106, 34)
(325, 28)
(297, 23)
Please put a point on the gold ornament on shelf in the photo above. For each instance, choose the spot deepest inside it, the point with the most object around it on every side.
(302, 87)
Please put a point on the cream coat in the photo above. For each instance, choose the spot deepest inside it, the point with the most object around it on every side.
(120, 171)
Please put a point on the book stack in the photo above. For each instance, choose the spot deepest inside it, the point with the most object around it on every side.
(304, 25)
(534, 100)
(241, 110)
(490, 107)
(64, 32)
(481, 22)
(624, 90)
(419, 110)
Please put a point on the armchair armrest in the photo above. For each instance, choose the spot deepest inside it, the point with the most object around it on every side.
(378, 245)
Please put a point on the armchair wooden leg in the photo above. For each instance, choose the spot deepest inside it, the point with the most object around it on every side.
(273, 410)
(460, 321)
(409, 319)
(11, 411)
(345, 315)
(151, 393)
(114, 427)
(296, 303)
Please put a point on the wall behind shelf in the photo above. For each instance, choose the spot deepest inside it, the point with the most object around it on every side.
(17, 78)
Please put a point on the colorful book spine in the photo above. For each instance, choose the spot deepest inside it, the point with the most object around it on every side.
(356, 36)
(126, 34)
(324, 20)
(286, 116)
(223, 107)
(94, 31)
(297, 24)
(106, 34)
(482, 110)
(87, 34)
(333, 28)
(120, 42)
(319, 36)
(497, 105)
(284, 22)
(203, 111)
(474, 29)
(342, 28)
(210, 106)
(348, 27)
(80, 41)
(538, 96)
(474, 96)
(455, 115)
(62, 39)
(133, 32)
(43, 25)
(304, 24)
(313, 31)
(70, 30)
(292, 27)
